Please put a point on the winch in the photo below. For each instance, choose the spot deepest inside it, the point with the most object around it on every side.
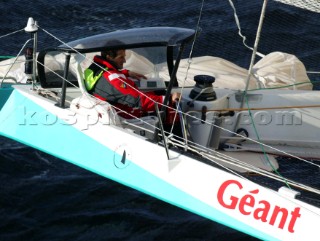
(203, 89)
(202, 121)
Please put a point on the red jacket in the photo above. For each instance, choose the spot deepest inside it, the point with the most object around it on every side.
(116, 87)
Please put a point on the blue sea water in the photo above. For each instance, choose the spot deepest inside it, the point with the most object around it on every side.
(45, 198)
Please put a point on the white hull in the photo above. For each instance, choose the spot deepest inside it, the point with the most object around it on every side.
(181, 180)
(204, 169)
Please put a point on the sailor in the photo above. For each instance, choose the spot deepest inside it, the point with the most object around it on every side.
(107, 80)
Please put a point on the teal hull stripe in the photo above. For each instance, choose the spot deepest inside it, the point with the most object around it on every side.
(59, 139)
(4, 95)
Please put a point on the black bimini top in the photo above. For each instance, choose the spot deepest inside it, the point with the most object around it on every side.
(132, 38)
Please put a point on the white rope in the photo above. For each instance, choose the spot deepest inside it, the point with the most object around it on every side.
(239, 29)
(91, 61)
(6, 35)
(206, 154)
(96, 104)
(252, 140)
(189, 62)
(14, 61)
(174, 109)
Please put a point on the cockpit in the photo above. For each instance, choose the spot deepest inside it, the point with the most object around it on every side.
(154, 52)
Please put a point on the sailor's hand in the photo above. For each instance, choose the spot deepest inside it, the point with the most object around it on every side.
(136, 75)
(175, 97)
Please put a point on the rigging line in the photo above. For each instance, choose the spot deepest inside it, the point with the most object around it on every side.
(125, 112)
(169, 107)
(164, 138)
(244, 38)
(201, 152)
(236, 162)
(264, 173)
(100, 101)
(313, 72)
(285, 86)
(91, 61)
(247, 138)
(58, 75)
(261, 146)
(92, 102)
(256, 43)
(255, 141)
(207, 157)
(252, 140)
(75, 70)
(231, 160)
(7, 64)
(199, 119)
(266, 108)
(197, 30)
(14, 61)
(6, 35)
(195, 150)
(250, 71)
(189, 59)
(248, 79)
